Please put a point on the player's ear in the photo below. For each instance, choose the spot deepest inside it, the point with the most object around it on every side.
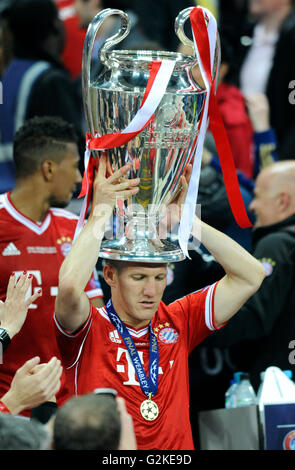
(110, 275)
(48, 169)
(283, 201)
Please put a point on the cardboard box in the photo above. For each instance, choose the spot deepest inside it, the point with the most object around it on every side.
(230, 429)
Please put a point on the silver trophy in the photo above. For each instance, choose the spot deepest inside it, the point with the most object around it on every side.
(161, 152)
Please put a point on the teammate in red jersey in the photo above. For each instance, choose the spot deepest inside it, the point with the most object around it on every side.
(137, 344)
(35, 237)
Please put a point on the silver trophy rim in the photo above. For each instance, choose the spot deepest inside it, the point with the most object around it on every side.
(109, 250)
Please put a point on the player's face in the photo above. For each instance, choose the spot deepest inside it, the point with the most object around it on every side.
(66, 178)
(138, 291)
(261, 8)
(263, 203)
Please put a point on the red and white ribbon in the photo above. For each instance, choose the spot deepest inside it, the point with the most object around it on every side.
(160, 73)
(204, 30)
(87, 182)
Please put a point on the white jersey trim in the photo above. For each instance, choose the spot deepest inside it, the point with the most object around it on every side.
(209, 308)
(63, 213)
(38, 229)
(81, 347)
(64, 332)
(68, 335)
(137, 334)
(94, 293)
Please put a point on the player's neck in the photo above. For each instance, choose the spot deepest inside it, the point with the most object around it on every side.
(29, 201)
(128, 320)
(273, 21)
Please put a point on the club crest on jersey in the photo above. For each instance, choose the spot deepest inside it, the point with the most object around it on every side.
(166, 334)
(268, 265)
(65, 244)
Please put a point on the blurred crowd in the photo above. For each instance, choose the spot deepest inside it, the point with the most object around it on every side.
(41, 46)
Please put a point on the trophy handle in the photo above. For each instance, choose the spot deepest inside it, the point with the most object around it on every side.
(179, 25)
(92, 31)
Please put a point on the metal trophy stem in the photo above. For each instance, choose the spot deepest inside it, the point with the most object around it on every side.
(140, 242)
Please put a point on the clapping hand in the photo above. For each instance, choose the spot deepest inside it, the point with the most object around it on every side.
(13, 311)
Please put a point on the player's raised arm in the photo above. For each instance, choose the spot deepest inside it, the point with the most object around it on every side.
(72, 304)
(244, 274)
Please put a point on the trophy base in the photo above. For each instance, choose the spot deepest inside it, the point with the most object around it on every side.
(142, 251)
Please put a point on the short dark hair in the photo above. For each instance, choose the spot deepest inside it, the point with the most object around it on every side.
(17, 433)
(31, 20)
(118, 265)
(118, 4)
(38, 139)
(88, 422)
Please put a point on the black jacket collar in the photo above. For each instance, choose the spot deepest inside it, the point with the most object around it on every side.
(260, 232)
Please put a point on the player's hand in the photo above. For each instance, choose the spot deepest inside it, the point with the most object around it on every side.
(32, 385)
(127, 437)
(258, 110)
(106, 190)
(175, 207)
(13, 311)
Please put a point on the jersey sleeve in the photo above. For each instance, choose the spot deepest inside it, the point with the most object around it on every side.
(71, 344)
(196, 311)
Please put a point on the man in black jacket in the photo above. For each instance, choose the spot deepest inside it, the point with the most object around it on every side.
(262, 333)
(266, 65)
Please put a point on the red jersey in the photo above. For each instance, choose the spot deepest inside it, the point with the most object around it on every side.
(74, 37)
(96, 357)
(38, 248)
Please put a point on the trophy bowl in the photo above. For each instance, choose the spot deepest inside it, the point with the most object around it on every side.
(160, 153)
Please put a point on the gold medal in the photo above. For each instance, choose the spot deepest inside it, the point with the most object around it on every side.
(149, 409)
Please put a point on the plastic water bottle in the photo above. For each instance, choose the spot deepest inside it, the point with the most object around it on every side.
(262, 374)
(230, 397)
(245, 394)
(289, 374)
(237, 377)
